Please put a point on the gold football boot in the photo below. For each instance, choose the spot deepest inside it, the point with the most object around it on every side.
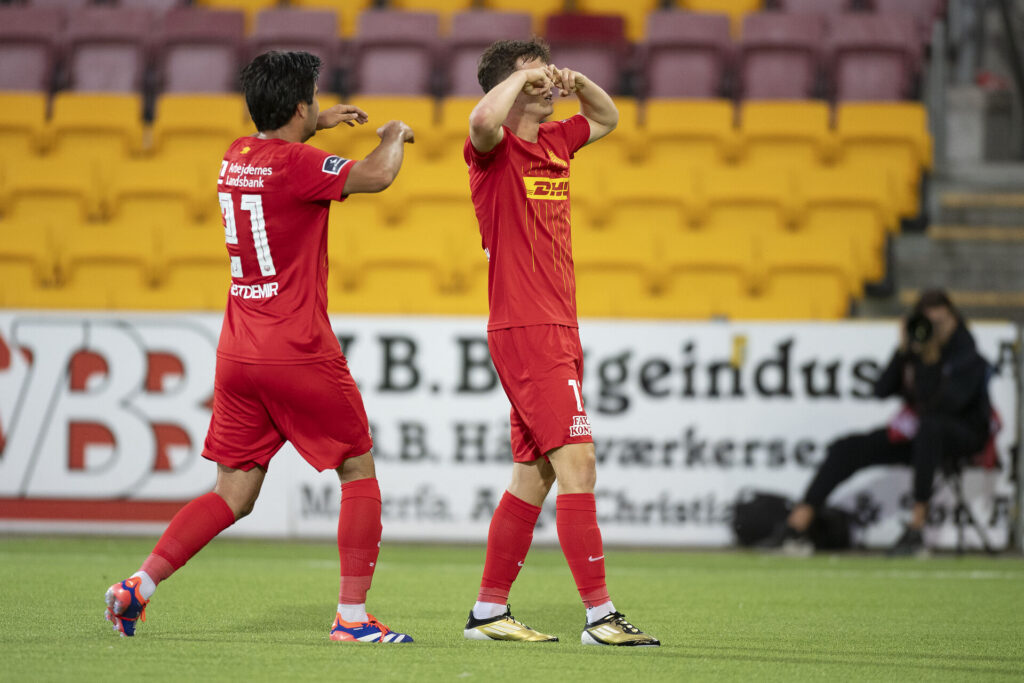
(503, 627)
(615, 630)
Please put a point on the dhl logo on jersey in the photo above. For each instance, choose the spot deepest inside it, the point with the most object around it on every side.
(546, 188)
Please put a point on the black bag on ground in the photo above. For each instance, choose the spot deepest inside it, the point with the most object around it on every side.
(831, 529)
(756, 514)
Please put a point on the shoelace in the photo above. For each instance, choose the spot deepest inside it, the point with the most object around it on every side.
(620, 619)
(372, 621)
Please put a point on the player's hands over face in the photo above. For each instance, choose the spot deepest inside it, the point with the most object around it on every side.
(566, 80)
(341, 113)
(396, 128)
(538, 81)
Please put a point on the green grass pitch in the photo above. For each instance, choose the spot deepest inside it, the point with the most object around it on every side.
(260, 611)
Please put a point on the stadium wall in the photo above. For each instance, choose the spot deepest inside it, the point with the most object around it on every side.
(102, 420)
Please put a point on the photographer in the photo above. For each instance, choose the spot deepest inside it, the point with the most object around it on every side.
(942, 379)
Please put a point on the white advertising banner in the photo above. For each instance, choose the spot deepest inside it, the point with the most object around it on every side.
(102, 421)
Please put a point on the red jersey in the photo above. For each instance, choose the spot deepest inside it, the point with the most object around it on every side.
(274, 200)
(520, 192)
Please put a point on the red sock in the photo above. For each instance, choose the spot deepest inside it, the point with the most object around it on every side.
(358, 538)
(508, 541)
(580, 538)
(193, 527)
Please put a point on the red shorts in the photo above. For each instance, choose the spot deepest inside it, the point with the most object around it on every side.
(256, 408)
(541, 369)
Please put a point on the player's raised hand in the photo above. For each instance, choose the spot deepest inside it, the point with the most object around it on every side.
(341, 113)
(566, 80)
(538, 81)
(397, 127)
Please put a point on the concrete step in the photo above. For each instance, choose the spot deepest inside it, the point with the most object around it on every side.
(969, 264)
(977, 304)
(977, 233)
(981, 207)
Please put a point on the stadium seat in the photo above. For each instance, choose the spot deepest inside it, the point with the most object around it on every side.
(45, 193)
(540, 10)
(685, 55)
(200, 50)
(101, 127)
(613, 271)
(873, 56)
(286, 29)
(791, 134)
(198, 127)
(925, 12)
(418, 112)
(453, 127)
(593, 44)
(96, 262)
(822, 7)
(444, 8)
(22, 125)
(424, 199)
(688, 133)
(887, 137)
(249, 7)
(625, 145)
(27, 257)
(151, 193)
(106, 48)
(780, 55)
(849, 206)
(158, 7)
(28, 46)
(736, 9)
(745, 201)
(705, 274)
(395, 53)
(635, 13)
(471, 33)
(812, 268)
(775, 304)
(642, 199)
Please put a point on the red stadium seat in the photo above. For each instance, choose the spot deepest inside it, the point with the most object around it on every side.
(471, 33)
(28, 46)
(200, 50)
(107, 48)
(780, 55)
(874, 57)
(814, 6)
(286, 29)
(925, 12)
(593, 44)
(395, 53)
(686, 55)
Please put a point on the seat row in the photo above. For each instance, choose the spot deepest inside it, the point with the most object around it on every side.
(853, 56)
(890, 140)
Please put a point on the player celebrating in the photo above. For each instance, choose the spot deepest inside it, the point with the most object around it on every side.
(519, 179)
(280, 371)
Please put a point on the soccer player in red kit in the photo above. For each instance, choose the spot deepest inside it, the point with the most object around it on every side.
(280, 371)
(519, 179)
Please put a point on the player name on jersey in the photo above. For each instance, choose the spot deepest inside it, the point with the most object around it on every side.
(264, 291)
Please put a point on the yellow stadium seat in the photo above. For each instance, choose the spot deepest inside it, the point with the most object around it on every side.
(157, 192)
(622, 145)
(887, 137)
(785, 134)
(102, 128)
(27, 259)
(423, 198)
(813, 267)
(642, 198)
(745, 201)
(199, 126)
(706, 273)
(194, 285)
(694, 133)
(849, 206)
(417, 112)
(538, 9)
(453, 123)
(22, 125)
(635, 13)
(775, 305)
(736, 9)
(613, 271)
(45, 193)
(348, 11)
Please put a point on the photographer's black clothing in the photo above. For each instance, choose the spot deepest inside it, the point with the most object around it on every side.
(951, 400)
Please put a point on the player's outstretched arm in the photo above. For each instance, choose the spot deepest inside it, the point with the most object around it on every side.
(596, 105)
(487, 117)
(348, 114)
(380, 167)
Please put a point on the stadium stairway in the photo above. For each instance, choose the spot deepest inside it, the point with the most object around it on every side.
(974, 246)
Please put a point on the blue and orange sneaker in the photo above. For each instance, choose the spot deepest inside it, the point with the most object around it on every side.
(125, 606)
(371, 631)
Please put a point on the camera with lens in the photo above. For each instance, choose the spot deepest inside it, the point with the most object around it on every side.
(919, 328)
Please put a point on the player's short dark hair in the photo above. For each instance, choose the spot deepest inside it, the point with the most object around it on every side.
(500, 59)
(275, 82)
